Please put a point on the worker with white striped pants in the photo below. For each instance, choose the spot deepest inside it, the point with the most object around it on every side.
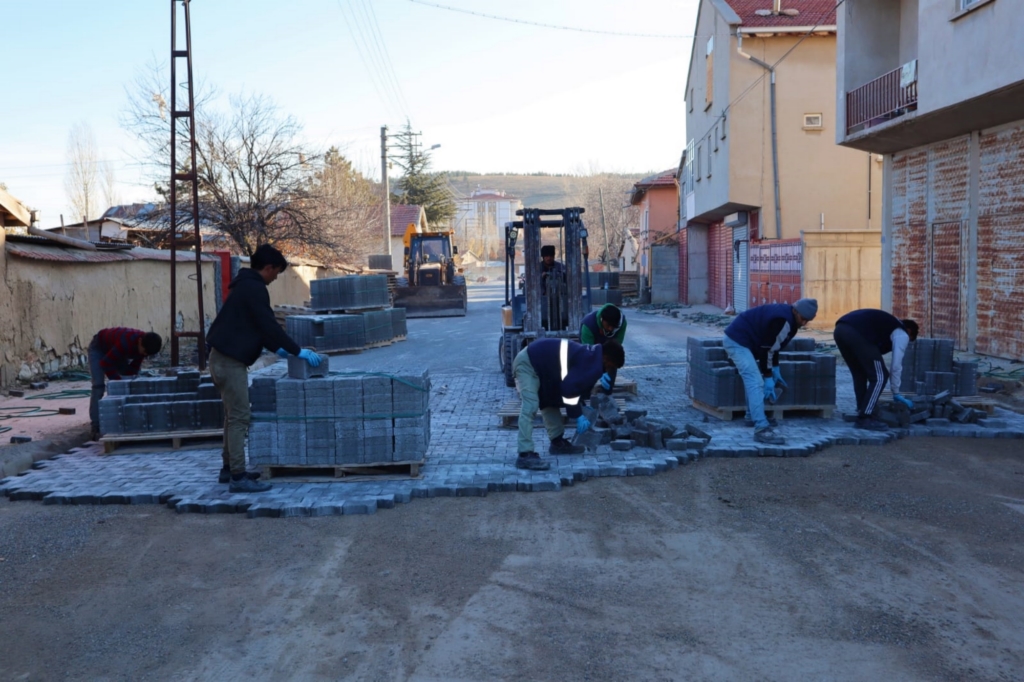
(863, 337)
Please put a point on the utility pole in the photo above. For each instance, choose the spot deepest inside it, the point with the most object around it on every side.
(387, 190)
(604, 228)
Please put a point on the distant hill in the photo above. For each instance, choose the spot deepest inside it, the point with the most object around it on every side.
(535, 190)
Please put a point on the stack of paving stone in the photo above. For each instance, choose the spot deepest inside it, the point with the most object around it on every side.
(186, 402)
(604, 288)
(398, 323)
(377, 327)
(328, 332)
(336, 420)
(713, 380)
(929, 369)
(353, 292)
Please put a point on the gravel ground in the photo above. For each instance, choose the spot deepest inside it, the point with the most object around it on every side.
(902, 562)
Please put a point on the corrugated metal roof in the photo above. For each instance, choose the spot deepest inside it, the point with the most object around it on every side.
(810, 13)
(72, 255)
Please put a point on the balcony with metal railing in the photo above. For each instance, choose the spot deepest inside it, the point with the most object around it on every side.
(887, 97)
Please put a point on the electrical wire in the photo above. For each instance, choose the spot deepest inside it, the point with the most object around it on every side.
(372, 68)
(526, 22)
(382, 48)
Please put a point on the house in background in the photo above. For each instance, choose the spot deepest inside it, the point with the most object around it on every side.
(772, 208)
(13, 213)
(480, 222)
(145, 225)
(402, 216)
(937, 88)
(657, 197)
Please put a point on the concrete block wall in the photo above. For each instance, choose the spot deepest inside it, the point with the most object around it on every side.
(714, 381)
(354, 292)
(343, 419)
(929, 369)
(185, 402)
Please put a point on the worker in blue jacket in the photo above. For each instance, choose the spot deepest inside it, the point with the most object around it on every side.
(551, 373)
(753, 342)
(863, 337)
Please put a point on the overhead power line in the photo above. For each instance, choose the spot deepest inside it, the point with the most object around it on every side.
(526, 22)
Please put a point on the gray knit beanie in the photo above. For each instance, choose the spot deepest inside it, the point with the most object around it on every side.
(807, 307)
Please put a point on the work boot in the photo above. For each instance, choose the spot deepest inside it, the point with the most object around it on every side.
(225, 475)
(769, 436)
(247, 485)
(531, 461)
(870, 424)
(560, 446)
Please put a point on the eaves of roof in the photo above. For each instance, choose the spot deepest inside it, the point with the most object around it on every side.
(72, 255)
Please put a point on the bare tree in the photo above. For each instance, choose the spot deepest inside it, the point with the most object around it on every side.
(609, 215)
(80, 179)
(255, 175)
(108, 178)
(349, 203)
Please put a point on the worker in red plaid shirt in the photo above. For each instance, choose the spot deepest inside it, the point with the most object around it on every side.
(115, 353)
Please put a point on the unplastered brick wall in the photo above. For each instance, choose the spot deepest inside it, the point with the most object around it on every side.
(348, 418)
(51, 309)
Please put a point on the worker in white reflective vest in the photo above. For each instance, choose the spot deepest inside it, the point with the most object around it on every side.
(550, 374)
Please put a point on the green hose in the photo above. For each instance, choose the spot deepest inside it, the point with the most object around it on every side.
(19, 412)
(62, 395)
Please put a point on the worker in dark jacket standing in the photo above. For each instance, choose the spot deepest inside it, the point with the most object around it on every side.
(863, 337)
(115, 353)
(551, 373)
(753, 342)
(245, 326)
(604, 324)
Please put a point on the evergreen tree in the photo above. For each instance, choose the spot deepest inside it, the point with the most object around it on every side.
(418, 185)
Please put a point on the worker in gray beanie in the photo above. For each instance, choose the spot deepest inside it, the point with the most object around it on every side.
(752, 337)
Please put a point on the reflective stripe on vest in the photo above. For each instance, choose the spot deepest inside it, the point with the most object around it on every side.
(563, 359)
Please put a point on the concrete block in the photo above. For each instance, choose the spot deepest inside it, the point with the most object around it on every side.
(698, 432)
(622, 445)
(676, 444)
(300, 369)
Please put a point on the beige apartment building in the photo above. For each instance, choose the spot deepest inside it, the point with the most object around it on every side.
(937, 87)
(771, 208)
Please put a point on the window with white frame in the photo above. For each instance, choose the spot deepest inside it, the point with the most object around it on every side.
(965, 4)
(696, 168)
(687, 183)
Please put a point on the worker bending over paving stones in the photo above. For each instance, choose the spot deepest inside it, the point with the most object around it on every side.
(863, 337)
(114, 353)
(752, 337)
(551, 373)
(245, 326)
(607, 323)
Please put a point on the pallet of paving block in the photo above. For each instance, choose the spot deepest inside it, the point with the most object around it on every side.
(332, 472)
(509, 412)
(778, 412)
(172, 439)
(283, 312)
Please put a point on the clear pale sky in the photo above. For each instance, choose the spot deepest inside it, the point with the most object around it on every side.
(497, 96)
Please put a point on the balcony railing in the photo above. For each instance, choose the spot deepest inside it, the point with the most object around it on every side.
(883, 99)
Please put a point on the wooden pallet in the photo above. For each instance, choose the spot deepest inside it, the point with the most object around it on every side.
(318, 472)
(509, 412)
(778, 412)
(171, 439)
(624, 387)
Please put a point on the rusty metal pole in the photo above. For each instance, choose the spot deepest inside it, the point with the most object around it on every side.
(194, 170)
(174, 190)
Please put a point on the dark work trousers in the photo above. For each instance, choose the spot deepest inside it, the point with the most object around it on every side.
(99, 384)
(866, 365)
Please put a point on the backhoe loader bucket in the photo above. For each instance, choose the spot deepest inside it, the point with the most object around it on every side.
(447, 300)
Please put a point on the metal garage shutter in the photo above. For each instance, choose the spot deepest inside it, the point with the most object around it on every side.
(740, 279)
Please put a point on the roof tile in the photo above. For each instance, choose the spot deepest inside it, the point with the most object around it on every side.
(811, 13)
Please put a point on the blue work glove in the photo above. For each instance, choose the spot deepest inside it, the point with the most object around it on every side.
(777, 376)
(282, 353)
(769, 390)
(606, 382)
(309, 356)
(903, 401)
(582, 425)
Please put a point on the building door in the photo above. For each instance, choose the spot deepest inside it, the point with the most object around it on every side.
(740, 274)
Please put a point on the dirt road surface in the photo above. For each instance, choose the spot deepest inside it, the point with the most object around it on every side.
(896, 563)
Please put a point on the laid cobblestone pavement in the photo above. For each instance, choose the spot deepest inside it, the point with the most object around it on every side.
(470, 454)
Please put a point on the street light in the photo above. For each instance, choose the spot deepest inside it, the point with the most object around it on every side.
(433, 147)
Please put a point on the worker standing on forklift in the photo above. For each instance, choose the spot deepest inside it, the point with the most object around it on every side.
(551, 373)
(606, 324)
(549, 267)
